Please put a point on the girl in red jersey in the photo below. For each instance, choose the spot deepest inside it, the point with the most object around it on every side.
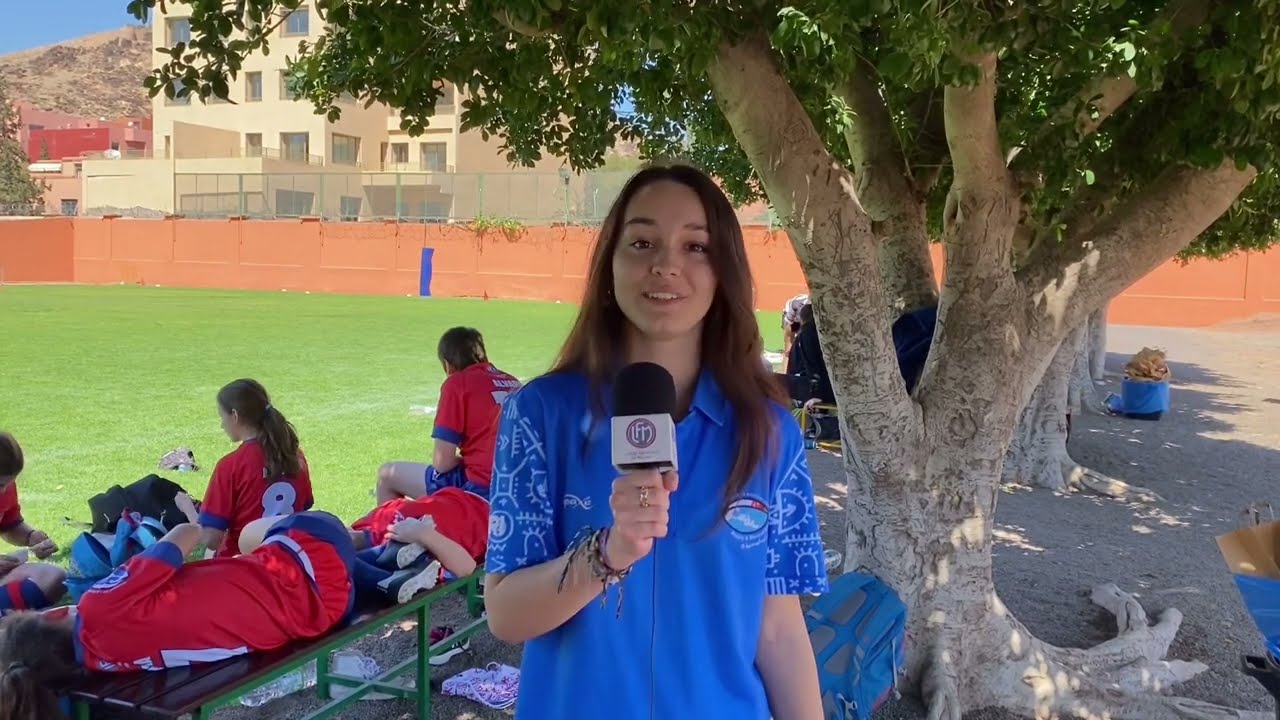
(23, 585)
(266, 476)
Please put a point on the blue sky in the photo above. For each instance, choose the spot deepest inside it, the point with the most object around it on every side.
(29, 24)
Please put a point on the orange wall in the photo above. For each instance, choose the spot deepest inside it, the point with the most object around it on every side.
(542, 263)
(36, 250)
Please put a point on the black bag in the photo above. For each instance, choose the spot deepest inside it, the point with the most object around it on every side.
(152, 496)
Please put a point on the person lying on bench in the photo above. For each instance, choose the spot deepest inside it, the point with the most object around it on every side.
(372, 582)
(155, 613)
(466, 424)
(23, 585)
(449, 527)
(266, 476)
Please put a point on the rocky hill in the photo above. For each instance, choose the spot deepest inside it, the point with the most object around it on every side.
(97, 75)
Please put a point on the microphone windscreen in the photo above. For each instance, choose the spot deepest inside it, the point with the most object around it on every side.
(644, 388)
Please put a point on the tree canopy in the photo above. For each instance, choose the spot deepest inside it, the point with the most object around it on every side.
(17, 187)
(1175, 81)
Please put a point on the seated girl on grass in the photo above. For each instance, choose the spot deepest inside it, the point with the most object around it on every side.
(23, 585)
(266, 476)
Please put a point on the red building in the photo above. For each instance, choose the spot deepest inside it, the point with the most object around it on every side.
(53, 136)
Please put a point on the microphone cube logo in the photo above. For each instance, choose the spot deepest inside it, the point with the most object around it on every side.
(641, 433)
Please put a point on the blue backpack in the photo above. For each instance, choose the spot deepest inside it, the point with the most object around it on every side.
(858, 632)
(92, 562)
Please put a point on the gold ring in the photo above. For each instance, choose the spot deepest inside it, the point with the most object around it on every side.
(644, 497)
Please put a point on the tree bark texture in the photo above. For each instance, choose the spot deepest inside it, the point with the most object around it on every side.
(1098, 343)
(923, 471)
(1038, 455)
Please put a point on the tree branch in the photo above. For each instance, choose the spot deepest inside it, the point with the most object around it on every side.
(883, 183)
(888, 193)
(1104, 94)
(1069, 280)
(832, 235)
(972, 134)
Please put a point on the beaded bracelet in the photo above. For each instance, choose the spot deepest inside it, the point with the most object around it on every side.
(590, 544)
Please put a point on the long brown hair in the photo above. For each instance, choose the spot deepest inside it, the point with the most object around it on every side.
(35, 656)
(731, 342)
(11, 462)
(277, 435)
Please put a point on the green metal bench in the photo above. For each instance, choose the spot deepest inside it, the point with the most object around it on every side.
(199, 690)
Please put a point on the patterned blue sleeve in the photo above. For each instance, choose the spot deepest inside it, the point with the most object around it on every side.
(521, 523)
(796, 565)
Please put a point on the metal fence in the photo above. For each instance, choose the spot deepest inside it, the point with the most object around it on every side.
(528, 198)
(21, 209)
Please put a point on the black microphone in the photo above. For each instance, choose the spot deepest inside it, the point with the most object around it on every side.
(644, 434)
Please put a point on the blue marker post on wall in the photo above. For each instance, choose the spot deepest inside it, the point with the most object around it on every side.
(424, 273)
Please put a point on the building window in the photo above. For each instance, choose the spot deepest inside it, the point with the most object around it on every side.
(346, 149)
(349, 207)
(447, 97)
(434, 156)
(295, 146)
(400, 153)
(178, 99)
(253, 144)
(297, 23)
(286, 90)
(294, 202)
(178, 30)
(253, 87)
(70, 206)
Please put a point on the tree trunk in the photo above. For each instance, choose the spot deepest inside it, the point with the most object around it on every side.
(1098, 343)
(1038, 455)
(923, 472)
(905, 263)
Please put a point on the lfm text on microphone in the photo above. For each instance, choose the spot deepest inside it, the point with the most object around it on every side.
(644, 434)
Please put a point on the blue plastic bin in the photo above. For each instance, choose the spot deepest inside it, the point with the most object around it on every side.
(1144, 400)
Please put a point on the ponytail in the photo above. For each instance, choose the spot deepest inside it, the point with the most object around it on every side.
(279, 442)
(276, 435)
(34, 655)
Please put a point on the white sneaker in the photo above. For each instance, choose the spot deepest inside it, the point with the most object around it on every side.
(404, 585)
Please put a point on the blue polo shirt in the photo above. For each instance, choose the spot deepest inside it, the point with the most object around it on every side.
(685, 643)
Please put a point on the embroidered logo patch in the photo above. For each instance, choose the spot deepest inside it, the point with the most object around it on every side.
(747, 516)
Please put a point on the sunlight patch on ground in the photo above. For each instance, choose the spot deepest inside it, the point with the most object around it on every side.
(1015, 537)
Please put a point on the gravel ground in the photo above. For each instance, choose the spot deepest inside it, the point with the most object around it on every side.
(1209, 457)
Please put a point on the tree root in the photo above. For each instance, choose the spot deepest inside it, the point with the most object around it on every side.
(1077, 476)
(1124, 678)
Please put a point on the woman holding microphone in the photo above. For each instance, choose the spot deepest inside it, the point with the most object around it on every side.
(651, 595)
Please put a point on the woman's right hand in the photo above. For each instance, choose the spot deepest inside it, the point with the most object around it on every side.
(641, 504)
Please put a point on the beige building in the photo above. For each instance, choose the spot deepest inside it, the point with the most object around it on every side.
(266, 153)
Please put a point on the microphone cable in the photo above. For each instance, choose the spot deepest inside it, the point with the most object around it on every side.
(653, 635)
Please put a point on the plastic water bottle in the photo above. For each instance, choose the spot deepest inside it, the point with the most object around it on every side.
(832, 558)
(300, 679)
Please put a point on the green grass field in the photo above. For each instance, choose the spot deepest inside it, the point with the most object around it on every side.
(99, 382)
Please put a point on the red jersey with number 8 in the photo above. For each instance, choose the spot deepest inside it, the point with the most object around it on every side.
(239, 493)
